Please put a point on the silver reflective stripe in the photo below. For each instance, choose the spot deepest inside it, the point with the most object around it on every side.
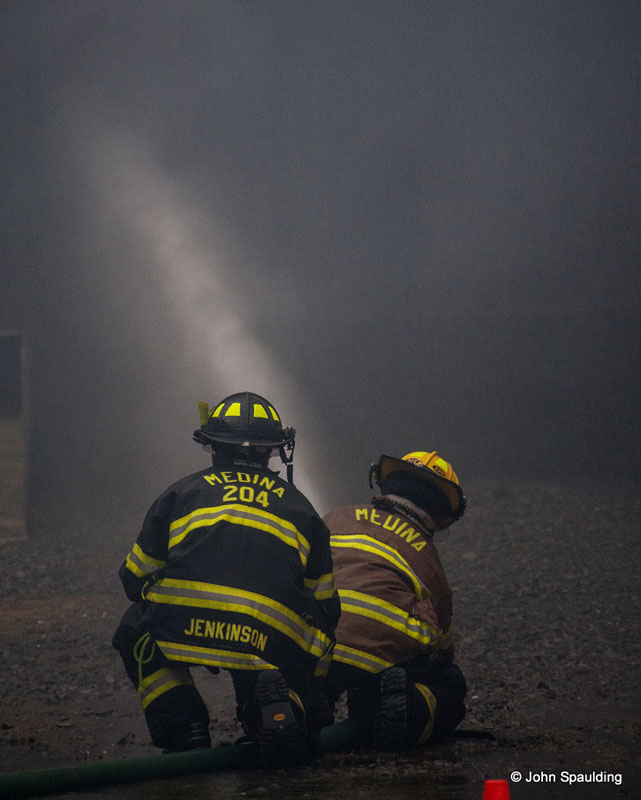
(229, 599)
(371, 545)
(138, 567)
(141, 564)
(359, 658)
(323, 587)
(162, 681)
(362, 602)
(369, 606)
(217, 658)
(240, 515)
(232, 603)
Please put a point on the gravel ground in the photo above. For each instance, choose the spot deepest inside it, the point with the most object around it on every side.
(547, 596)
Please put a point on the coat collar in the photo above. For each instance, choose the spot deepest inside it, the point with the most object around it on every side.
(405, 507)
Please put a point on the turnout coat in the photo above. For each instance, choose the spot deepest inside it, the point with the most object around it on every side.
(234, 569)
(395, 599)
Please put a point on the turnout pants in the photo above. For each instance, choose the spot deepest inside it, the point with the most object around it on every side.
(170, 700)
(435, 696)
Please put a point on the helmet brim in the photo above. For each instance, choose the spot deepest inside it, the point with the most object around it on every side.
(452, 491)
(240, 438)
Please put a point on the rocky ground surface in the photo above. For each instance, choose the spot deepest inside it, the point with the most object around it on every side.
(547, 592)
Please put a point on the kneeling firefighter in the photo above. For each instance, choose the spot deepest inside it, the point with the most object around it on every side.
(394, 652)
(232, 569)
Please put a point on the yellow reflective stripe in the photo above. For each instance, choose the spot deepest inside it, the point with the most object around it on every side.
(141, 564)
(259, 411)
(366, 605)
(360, 659)
(218, 409)
(238, 514)
(161, 681)
(446, 639)
(323, 587)
(323, 664)
(431, 704)
(233, 410)
(239, 601)
(203, 412)
(213, 657)
(272, 411)
(370, 545)
(295, 697)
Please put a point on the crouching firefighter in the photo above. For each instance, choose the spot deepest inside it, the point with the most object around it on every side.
(394, 652)
(232, 570)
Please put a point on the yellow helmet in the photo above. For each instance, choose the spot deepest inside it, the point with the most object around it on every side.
(434, 462)
(433, 473)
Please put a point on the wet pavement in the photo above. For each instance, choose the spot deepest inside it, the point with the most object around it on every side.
(544, 775)
(241, 786)
(290, 786)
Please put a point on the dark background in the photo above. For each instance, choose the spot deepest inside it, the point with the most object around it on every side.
(411, 225)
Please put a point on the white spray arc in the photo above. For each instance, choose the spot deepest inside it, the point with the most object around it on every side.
(210, 319)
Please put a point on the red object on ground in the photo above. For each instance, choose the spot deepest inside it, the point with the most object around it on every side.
(496, 790)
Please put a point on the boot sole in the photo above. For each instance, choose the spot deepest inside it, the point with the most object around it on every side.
(280, 737)
(391, 720)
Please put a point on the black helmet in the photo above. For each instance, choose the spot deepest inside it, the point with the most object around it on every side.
(247, 420)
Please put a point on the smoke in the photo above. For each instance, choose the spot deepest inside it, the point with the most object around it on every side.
(214, 352)
(410, 228)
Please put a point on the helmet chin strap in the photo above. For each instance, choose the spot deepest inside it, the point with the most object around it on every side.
(288, 459)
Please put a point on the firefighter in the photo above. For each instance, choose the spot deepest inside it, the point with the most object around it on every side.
(394, 652)
(232, 570)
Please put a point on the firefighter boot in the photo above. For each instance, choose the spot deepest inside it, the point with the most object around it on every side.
(391, 722)
(192, 736)
(281, 727)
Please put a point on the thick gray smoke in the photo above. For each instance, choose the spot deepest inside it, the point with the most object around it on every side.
(411, 225)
